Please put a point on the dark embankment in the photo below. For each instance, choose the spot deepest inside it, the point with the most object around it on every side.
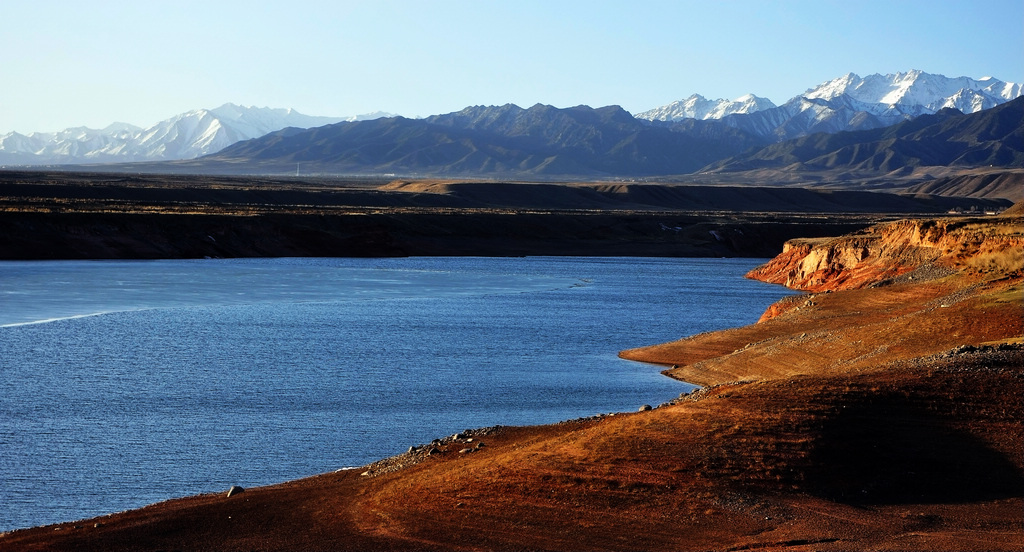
(379, 234)
(883, 412)
(82, 216)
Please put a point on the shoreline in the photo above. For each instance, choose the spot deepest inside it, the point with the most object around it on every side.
(894, 405)
(552, 279)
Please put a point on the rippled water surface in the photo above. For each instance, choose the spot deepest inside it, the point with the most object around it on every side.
(127, 383)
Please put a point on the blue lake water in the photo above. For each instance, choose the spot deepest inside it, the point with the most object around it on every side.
(123, 383)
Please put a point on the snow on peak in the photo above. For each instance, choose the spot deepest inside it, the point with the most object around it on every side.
(913, 90)
(699, 107)
(115, 128)
(848, 102)
(749, 103)
(184, 136)
(370, 116)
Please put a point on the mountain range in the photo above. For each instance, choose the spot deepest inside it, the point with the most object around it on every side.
(184, 136)
(546, 142)
(846, 103)
(991, 137)
(503, 141)
(690, 135)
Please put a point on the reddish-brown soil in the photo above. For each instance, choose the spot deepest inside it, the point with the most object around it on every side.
(885, 415)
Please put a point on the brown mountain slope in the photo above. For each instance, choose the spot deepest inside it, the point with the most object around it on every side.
(887, 415)
(1017, 210)
(1007, 184)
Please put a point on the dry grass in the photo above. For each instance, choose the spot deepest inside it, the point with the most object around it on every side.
(1006, 261)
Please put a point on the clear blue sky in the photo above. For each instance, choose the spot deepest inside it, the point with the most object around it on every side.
(75, 63)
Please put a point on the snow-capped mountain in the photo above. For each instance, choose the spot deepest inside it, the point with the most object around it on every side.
(185, 136)
(70, 143)
(846, 103)
(915, 92)
(699, 107)
(852, 103)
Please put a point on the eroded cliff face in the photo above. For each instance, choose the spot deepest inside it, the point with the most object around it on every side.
(903, 290)
(904, 249)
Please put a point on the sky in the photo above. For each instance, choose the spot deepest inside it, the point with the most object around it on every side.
(73, 63)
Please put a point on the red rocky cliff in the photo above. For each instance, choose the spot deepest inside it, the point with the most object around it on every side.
(890, 250)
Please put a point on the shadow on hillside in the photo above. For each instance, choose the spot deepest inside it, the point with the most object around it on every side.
(888, 450)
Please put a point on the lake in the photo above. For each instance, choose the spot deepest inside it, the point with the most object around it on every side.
(124, 383)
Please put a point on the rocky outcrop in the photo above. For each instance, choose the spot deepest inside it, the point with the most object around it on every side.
(888, 251)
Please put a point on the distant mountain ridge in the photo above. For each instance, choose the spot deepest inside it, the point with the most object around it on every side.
(701, 108)
(849, 103)
(548, 142)
(917, 93)
(679, 138)
(499, 140)
(991, 137)
(184, 136)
